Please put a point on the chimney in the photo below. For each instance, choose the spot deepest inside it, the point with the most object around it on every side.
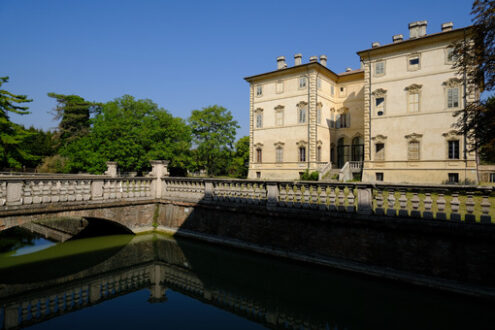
(375, 44)
(313, 59)
(281, 62)
(323, 60)
(447, 26)
(397, 38)
(348, 69)
(417, 29)
(298, 59)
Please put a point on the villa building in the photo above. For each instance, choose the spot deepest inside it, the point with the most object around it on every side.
(391, 120)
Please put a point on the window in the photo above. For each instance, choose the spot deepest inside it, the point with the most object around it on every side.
(259, 155)
(302, 82)
(379, 151)
(302, 154)
(318, 83)
(453, 177)
(258, 175)
(413, 63)
(450, 56)
(413, 150)
(492, 177)
(280, 86)
(342, 91)
(302, 115)
(318, 154)
(279, 154)
(379, 68)
(259, 120)
(379, 176)
(453, 97)
(332, 90)
(343, 120)
(413, 101)
(453, 149)
(380, 106)
(259, 90)
(279, 117)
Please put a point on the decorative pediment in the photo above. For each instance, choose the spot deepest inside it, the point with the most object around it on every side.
(301, 143)
(319, 105)
(302, 104)
(258, 145)
(343, 110)
(452, 82)
(279, 144)
(319, 143)
(414, 137)
(332, 109)
(451, 135)
(379, 138)
(414, 88)
(258, 110)
(279, 108)
(379, 92)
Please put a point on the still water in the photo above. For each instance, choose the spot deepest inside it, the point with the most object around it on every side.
(156, 281)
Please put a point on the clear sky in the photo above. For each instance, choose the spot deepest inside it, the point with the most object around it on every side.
(186, 55)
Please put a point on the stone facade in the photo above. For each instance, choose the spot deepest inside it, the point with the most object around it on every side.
(395, 113)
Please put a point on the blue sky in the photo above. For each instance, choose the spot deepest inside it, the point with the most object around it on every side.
(186, 55)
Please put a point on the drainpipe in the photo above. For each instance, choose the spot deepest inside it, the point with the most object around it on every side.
(465, 104)
(369, 107)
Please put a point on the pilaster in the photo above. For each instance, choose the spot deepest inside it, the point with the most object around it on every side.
(312, 118)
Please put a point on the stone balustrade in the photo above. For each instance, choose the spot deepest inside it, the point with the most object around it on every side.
(455, 203)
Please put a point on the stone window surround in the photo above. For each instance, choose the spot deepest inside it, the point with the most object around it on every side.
(446, 52)
(279, 146)
(375, 74)
(413, 67)
(413, 89)
(452, 136)
(258, 146)
(257, 88)
(452, 83)
(302, 144)
(279, 109)
(319, 145)
(302, 106)
(319, 109)
(258, 112)
(379, 139)
(414, 137)
(379, 93)
(277, 84)
(299, 80)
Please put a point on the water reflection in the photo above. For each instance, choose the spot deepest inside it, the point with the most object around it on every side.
(161, 281)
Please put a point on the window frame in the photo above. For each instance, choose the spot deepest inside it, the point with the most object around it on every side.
(301, 154)
(259, 90)
(452, 88)
(453, 152)
(376, 71)
(413, 67)
(259, 155)
(302, 82)
(279, 154)
(277, 84)
(279, 114)
(410, 152)
(380, 154)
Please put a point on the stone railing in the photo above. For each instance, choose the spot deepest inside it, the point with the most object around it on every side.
(443, 202)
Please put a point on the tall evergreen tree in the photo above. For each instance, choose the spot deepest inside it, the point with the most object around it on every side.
(11, 134)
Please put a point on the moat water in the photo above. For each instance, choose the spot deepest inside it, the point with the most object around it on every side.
(157, 281)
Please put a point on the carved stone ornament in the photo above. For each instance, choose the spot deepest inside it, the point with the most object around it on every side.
(258, 110)
(279, 144)
(343, 110)
(279, 108)
(302, 104)
(379, 92)
(414, 88)
(414, 137)
(452, 82)
(379, 138)
(301, 143)
(450, 135)
(258, 145)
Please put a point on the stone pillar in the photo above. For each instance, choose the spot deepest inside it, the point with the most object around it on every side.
(159, 169)
(14, 193)
(208, 191)
(94, 292)
(365, 200)
(272, 195)
(96, 190)
(111, 169)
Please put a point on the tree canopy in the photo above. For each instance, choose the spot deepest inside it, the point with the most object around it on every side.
(131, 132)
(11, 134)
(214, 130)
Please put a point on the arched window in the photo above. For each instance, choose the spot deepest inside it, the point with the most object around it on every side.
(357, 149)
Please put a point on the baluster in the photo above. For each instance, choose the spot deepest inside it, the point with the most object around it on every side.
(34, 309)
(427, 202)
(379, 209)
(282, 196)
(3, 193)
(64, 186)
(47, 192)
(351, 208)
(332, 200)
(323, 202)
(298, 196)
(454, 206)
(391, 212)
(71, 191)
(36, 192)
(290, 196)
(26, 193)
(441, 215)
(79, 190)
(314, 197)
(43, 307)
(403, 204)
(24, 311)
(415, 212)
(306, 197)
(61, 302)
(341, 197)
(485, 210)
(470, 217)
(51, 304)
(84, 296)
(117, 191)
(55, 191)
(68, 301)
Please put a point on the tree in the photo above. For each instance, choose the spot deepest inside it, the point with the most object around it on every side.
(73, 112)
(131, 132)
(12, 135)
(475, 60)
(239, 164)
(213, 130)
(40, 144)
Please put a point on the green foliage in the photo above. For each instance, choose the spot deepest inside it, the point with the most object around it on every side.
(239, 163)
(307, 176)
(74, 113)
(40, 144)
(131, 132)
(213, 130)
(12, 135)
(53, 164)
